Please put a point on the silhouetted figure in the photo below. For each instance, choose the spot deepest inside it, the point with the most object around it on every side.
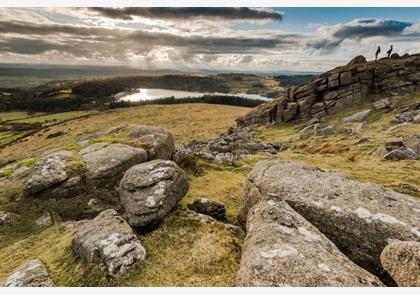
(377, 52)
(389, 51)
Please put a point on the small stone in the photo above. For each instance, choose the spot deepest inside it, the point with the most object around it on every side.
(362, 140)
(212, 208)
(95, 205)
(30, 274)
(382, 103)
(45, 219)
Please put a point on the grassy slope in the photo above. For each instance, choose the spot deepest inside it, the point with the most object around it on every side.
(186, 252)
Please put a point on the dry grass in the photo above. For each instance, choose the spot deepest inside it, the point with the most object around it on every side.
(186, 121)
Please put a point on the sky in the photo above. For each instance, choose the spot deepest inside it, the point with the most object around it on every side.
(196, 38)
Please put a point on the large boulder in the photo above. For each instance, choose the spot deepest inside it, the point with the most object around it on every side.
(30, 274)
(106, 166)
(160, 143)
(48, 172)
(360, 218)
(402, 261)
(150, 190)
(283, 249)
(108, 239)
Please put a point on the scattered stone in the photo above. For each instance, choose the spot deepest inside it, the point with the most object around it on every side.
(404, 117)
(362, 140)
(106, 166)
(7, 217)
(357, 117)
(150, 190)
(401, 154)
(398, 126)
(382, 103)
(402, 261)
(48, 172)
(45, 219)
(360, 218)
(55, 134)
(109, 239)
(160, 143)
(283, 249)
(212, 208)
(95, 205)
(413, 142)
(30, 274)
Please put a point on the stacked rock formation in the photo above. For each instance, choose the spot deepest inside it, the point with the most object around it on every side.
(339, 88)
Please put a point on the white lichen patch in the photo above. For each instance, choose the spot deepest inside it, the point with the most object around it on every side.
(281, 251)
(363, 213)
(309, 236)
(324, 267)
(336, 208)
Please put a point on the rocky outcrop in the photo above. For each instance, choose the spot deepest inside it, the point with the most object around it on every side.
(339, 88)
(160, 142)
(283, 249)
(30, 274)
(212, 208)
(150, 190)
(360, 218)
(106, 166)
(402, 261)
(396, 150)
(108, 239)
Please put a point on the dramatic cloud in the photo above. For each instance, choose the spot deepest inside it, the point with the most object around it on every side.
(182, 13)
(358, 29)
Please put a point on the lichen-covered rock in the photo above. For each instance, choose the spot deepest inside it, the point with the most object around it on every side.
(402, 261)
(107, 165)
(283, 249)
(413, 142)
(161, 142)
(108, 239)
(360, 218)
(150, 190)
(357, 117)
(48, 172)
(30, 274)
(205, 206)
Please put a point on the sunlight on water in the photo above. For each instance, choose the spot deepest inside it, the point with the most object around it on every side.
(143, 94)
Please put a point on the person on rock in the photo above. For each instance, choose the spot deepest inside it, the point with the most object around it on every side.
(389, 51)
(377, 52)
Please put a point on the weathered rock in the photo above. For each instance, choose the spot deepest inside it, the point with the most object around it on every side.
(358, 217)
(160, 143)
(108, 239)
(150, 190)
(413, 142)
(45, 219)
(7, 217)
(402, 261)
(283, 249)
(357, 117)
(30, 274)
(401, 154)
(95, 205)
(416, 119)
(212, 208)
(404, 117)
(381, 103)
(47, 172)
(360, 59)
(107, 165)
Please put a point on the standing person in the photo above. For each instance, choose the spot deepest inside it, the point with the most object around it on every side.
(377, 52)
(390, 51)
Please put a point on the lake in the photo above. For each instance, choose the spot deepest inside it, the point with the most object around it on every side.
(142, 94)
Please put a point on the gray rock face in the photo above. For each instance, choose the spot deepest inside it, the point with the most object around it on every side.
(31, 274)
(106, 166)
(150, 190)
(48, 172)
(360, 218)
(357, 117)
(108, 239)
(161, 141)
(212, 208)
(283, 249)
(402, 261)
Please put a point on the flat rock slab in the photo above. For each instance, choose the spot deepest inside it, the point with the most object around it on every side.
(48, 172)
(108, 239)
(283, 249)
(30, 274)
(357, 117)
(402, 261)
(106, 165)
(161, 142)
(360, 218)
(150, 190)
